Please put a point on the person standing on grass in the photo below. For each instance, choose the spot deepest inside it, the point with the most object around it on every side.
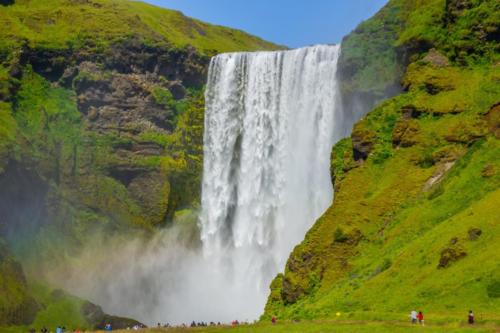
(413, 316)
(420, 318)
(273, 320)
(470, 317)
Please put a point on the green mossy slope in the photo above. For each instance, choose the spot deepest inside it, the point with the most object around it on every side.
(414, 223)
(63, 24)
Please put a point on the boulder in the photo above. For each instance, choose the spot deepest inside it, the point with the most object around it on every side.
(405, 133)
(362, 142)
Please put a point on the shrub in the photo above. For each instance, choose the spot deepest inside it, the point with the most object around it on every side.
(339, 236)
(493, 289)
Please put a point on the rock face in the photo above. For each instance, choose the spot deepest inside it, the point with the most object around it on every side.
(115, 138)
(98, 319)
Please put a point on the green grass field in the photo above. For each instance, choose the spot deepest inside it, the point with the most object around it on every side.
(333, 326)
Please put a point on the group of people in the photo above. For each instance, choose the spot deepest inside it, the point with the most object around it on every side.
(416, 317)
(419, 317)
(204, 324)
(59, 329)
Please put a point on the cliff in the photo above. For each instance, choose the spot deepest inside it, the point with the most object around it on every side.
(414, 223)
(101, 127)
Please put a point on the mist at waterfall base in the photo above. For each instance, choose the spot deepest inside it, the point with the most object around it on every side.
(270, 122)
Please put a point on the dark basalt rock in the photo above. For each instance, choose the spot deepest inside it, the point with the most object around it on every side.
(98, 319)
(50, 64)
(474, 233)
(362, 143)
(291, 292)
(126, 173)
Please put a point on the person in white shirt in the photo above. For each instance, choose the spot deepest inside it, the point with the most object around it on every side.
(413, 316)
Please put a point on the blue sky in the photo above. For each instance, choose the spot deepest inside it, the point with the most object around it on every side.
(293, 23)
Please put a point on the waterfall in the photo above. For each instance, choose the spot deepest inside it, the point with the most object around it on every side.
(271, 119)
(270, 122)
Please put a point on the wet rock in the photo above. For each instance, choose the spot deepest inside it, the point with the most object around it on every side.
(151, 191)
(98, 319)
(93, 313)
(58, 294)
(178, 91)
(126, 173)
(118, 323)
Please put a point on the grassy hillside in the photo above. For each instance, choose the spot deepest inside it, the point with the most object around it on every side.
(62, 24)
(375, 55)
(414, 222)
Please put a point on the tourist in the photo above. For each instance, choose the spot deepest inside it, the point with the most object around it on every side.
(273, 320)
(59, 329)
(470, 317)
(413, 316)
(420, 317)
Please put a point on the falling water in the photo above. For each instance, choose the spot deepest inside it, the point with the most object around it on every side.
(270, 123)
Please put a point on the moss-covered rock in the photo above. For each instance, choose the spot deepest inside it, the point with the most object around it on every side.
(17, 307)
(405, 133)
(362, 141)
